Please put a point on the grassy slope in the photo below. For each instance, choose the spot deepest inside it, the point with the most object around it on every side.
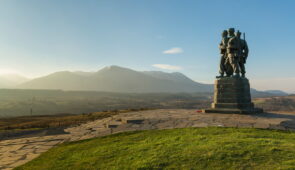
(190, 148)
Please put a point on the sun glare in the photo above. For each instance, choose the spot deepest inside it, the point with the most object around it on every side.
(9, 71)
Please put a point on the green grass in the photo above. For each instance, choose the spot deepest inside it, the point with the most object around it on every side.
(189, 148)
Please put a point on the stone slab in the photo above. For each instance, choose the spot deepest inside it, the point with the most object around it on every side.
(112, 125)
(231, 100)
(232, 105)
(133, 121)
(233, 111)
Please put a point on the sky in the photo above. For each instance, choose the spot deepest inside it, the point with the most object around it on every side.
(38, 37)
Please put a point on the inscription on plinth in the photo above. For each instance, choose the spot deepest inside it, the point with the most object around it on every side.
(232, 95)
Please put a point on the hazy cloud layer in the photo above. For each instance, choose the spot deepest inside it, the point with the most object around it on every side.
(166, 67)
(175, 50)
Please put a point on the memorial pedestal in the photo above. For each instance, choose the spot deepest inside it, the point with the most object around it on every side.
(232, 95)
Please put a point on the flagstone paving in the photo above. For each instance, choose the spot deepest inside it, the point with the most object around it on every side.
(15, 152)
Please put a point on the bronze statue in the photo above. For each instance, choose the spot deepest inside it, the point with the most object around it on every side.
(243, 52)
(234, 52)
(224, 65)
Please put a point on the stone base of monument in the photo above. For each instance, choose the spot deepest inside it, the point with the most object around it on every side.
(234, 111)
(232, 95)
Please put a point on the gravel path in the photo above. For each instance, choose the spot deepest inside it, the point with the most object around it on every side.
(15, 152)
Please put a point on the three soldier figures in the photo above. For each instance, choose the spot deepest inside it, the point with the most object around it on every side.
(234, 52)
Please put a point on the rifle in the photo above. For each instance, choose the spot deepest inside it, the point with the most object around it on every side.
(244, 37)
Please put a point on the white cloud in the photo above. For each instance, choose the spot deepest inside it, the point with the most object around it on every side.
(167, 67)
(175, 50)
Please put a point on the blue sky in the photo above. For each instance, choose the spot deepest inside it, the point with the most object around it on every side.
(38, 37)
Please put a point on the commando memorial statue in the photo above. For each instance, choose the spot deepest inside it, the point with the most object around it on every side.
(232, 88)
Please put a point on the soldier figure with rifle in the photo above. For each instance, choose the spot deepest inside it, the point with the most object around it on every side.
(232, 50)
(223, 57)
(243, 52)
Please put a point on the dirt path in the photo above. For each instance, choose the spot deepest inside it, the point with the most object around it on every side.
(15, 152)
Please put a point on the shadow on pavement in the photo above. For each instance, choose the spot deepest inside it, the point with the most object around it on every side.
(287, 124)
(276, 115)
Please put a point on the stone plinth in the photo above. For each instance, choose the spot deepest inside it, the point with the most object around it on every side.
(232, 95)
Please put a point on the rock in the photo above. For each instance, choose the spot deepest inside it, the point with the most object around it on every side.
(134, 121)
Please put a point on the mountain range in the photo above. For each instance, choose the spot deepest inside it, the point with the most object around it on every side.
(118, 79)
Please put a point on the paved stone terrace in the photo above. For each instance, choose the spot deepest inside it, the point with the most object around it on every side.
(15, 152)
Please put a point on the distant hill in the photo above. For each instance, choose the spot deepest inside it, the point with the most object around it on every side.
(277, 92)
(267, 93)
(118, 79)
(11, 80)
(124, 80)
